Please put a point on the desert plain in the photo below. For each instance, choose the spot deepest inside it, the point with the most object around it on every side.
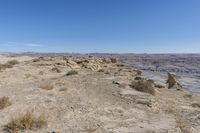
(88, 94)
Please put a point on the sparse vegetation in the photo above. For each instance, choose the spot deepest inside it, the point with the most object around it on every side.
(27, 121)
(8, 64)
(72, 72)
(12, 62)
(55, 69)
(4, 102)
(41, 58)
(36, 60)
(63, 89)
(195, 105)
(46, 86)
(143, 86)
(182, 124)
(4, 66)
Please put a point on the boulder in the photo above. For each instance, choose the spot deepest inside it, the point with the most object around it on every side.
(172, 82)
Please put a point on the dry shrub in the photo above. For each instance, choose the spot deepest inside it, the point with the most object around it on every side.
(195, 105)
(55, 69)
(101, 70)
(12, 62)
(183, 124)
(143, 86)
(72, 72)
(63, 89)
(41, 58)
(4, 66)
(46, 86)
(4, 102)
(8, 64)
(36, 60)
(27, 121)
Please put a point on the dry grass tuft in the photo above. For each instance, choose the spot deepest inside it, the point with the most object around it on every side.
(8, 64)
(46, 86)
(12, 62)
(27, 121)
(182, 124)
(4, 66)
(143, 86)
(72, 72)
(4, 102)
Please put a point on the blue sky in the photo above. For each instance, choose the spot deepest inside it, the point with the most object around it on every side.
(116, 26)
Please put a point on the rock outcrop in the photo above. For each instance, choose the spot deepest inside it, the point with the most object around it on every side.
(172, 82)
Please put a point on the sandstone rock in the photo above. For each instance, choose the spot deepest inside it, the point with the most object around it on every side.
(72, 64)
(106, 60)
(139, 72)
(172, 82)
(159, 85)
(113, 60)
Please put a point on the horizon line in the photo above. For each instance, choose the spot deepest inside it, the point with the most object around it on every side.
(85, 53)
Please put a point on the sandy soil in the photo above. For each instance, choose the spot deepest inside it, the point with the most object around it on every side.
(93, 101)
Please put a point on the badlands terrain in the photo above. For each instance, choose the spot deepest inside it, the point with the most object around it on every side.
(88, 94)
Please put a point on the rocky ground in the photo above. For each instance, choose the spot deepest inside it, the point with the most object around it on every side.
(93, 95)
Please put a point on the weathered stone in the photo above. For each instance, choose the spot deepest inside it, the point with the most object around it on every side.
(172, 82)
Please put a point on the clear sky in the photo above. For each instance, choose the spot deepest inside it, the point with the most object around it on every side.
(122, 26)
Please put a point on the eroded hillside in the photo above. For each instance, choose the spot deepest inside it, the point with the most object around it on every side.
(90, 94)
